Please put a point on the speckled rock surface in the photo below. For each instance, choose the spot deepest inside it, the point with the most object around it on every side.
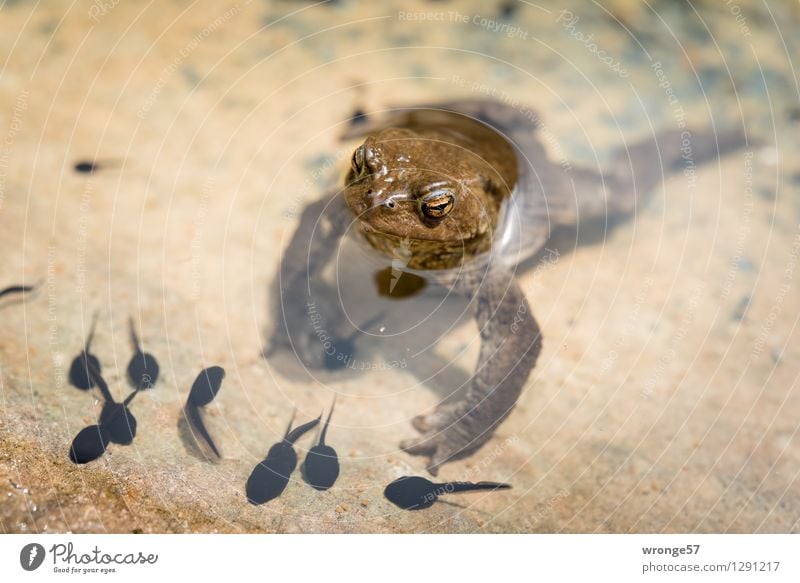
(667, 393)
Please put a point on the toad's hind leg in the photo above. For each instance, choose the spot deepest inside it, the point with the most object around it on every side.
(510, 345)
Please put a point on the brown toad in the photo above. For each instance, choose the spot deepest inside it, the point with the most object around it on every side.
(460, 194)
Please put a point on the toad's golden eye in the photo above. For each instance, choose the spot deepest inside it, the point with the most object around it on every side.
(437, 204)
(358, 160)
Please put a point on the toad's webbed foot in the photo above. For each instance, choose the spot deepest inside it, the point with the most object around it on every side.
(510, 345)
(450, 433)
(438, 419)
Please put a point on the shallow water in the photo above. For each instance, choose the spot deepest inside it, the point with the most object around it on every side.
(664, 398)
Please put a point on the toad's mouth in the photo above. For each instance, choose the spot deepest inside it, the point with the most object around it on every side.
(418, 253)
(371, 231)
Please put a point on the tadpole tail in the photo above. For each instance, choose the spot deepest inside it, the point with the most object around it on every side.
(129, 398)
(196, 421)
(124, 407)
(16, 289)
(90, 337)
(108, 163)
(289, 427)
(99, 381)
(470, 486)
(327, 422)
(134, 337)
(298, 432)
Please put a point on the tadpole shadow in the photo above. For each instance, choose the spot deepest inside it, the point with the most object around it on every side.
(192, 443)
(17, 294)
(392, 352)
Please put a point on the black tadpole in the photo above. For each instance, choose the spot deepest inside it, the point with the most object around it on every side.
(89, 444)
(91, 166)
(117, 420)
(79, 376)
(17, 289)
(205, 388)
(116, 425)
(358, 117)
(321, 466)
(270, 477)
(143, 367)
(416, 493)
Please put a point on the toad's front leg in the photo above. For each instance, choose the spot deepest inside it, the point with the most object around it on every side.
(510, 344)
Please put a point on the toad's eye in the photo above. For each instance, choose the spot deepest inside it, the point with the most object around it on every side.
(358, 160)
(437, 204)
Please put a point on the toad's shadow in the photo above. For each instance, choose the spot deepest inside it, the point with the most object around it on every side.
(403, 334)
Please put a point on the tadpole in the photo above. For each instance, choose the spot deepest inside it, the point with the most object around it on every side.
(89, 444)
(116, 425)
(20, 291)
(271, 476)
(116, 418)
(206, 386)
(321, 466)
(204, 390)
(17, 289)
(416, 493)
(359, 117)
(508, 9)
(79, 376)
(90, 166)
(143, 367)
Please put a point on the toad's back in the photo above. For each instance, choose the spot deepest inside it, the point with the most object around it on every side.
(536, 194)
